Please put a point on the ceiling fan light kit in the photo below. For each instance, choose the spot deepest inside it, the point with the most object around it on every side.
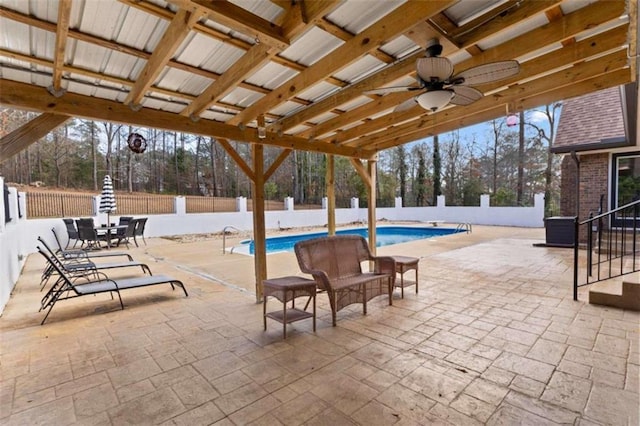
(434, 100)
(435, 77)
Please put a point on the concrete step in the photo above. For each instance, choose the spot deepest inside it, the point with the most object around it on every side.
(621, 292)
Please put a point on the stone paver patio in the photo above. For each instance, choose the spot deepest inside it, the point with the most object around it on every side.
(493, 337)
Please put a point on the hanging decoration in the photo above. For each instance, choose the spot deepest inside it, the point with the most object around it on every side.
(137, 143)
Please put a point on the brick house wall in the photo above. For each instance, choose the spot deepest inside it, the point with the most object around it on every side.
(594, 182)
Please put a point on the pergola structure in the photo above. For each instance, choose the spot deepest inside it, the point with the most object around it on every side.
(295, 73)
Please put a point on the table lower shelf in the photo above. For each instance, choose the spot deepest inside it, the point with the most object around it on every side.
(405, 283)
(293, 315)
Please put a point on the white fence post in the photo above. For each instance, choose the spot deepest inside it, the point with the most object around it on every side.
(288, 203)
(398, 203)
(355, 202)
(325, 203)
(180, 205)
(241, 204)
(485, 201)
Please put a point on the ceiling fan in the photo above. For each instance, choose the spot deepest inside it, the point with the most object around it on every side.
(440, 87)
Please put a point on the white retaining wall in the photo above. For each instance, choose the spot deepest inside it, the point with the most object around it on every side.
(18, 236)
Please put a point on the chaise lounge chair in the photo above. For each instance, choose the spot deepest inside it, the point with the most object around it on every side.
(94, 282)
(80, 265)
(80, 253)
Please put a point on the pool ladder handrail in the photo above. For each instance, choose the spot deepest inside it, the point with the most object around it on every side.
(224, 238)
(464, 227)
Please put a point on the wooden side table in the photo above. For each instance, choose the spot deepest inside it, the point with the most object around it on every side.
(405, 264)
(287, 289)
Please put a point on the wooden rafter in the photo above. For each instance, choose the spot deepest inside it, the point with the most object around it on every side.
(543, 64)
(277, 163)
(25, 96)
(62, 31)
(237, 158)
(394, 24)
(178, 30)
(29, 133)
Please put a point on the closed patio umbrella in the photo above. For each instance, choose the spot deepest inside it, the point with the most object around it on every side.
(107, 198)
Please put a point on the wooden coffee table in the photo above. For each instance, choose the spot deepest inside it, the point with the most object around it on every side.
(287, 289)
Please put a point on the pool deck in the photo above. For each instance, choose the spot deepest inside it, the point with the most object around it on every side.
(493, 337)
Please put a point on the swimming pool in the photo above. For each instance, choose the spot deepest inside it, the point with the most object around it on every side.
(385, 235)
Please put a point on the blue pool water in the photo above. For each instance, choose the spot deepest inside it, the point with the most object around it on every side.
(386, 235)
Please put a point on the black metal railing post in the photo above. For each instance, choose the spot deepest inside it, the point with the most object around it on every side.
(576, 228)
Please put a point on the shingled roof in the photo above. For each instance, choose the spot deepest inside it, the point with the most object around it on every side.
(591, 121)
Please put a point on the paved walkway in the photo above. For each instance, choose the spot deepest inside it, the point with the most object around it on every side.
(493, 337)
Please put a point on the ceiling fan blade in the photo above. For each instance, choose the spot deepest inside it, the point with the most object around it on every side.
(406, 105)
(465, 95)
(435, 68)
(385, 90)
(487, 73)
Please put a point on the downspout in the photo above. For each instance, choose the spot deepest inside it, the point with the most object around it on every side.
(576, 228)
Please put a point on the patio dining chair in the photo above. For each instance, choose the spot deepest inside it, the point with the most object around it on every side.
(88, 234)
(72, 232)
(127, 233)
(139, 230)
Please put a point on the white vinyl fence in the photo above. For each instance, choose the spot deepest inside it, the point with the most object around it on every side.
(18, 233)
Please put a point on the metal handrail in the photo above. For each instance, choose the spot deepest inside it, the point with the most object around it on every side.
(224, 237)
(600, 259)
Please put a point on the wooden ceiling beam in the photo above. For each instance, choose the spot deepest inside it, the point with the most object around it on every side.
(34, 98)
(237, 18)
(393, 24)
(175, 34)
(29, 133)
(499, 20)
(555, 83)
(62, 32)
(257, 56)
(568, 55)
(601, 82)
(254, 58)
(569, 26)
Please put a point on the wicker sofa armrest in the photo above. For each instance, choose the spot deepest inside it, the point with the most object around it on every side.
(385, 265)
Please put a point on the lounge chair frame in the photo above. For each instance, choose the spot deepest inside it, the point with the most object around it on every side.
(94, 282)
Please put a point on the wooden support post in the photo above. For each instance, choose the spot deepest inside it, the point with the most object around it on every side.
(331, 195)
(259, 233)
(371, 194)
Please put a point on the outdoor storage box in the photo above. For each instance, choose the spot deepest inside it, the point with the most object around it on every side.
(560, 231)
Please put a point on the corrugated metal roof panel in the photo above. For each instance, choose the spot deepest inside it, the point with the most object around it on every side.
(297, 129)
(216, 115)
(182, 81)
(264, 9)
(101, 18)
(95, 58)
(355, 16)
(211, 54)
(512, 32)
(242, 97)
(312, 46)
(17, 5)
(317, 91)
(123, 65)
(399, 47)
(464, 11)
(271, 75)
(569, 6)
(286, 108)
(16, 37)
(355, 103)
(360, 69)
(139, 29)
(323, 117)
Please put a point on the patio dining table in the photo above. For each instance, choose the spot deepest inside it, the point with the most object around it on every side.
(109, 231)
